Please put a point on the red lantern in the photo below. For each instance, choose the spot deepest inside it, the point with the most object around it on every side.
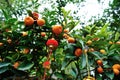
(52, 43)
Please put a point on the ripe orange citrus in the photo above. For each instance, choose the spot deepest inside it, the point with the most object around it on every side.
(102, 51)
(71, 40)
(65, 36)
(1, 44)
(116, 71)
(110, 42)
(91, 50)
(43, 34)
(35, 15)
(66, 30)
(100, 69)
(26, 50)
(28, 21)
(118, 42)
(99, 62)
(78, 52)
(24, 33)
(57, 29)
(89, 42)
(40, 22)
(16, 64)
(116, 66)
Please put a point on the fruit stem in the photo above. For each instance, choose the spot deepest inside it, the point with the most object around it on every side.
(48, 58)
(88, 67)
(44, 75)
(49, 54)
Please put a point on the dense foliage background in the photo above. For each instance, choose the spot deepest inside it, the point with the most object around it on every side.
(97, 41)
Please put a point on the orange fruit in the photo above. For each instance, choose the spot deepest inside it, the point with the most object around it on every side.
(26, 51)
(96, 39)
(71, 40)
(89, 78)
(1, 60)
(66, 30)
(24, 33)
(78, 52)
(110, 42)
(40, 22)
(1, 44)
(116, 71)
(102, 51)
(116, 66)
(99, 62)
(85, 51)
(57, 29)
(91, 50)
(35, 15)
(43, 34)
(9, 41)
(118, 42)
(89, 42)
(100, 69)
(65, 36)
(16, 64)
(28, 21)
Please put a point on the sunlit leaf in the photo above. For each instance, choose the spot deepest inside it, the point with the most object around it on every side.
(4, 64)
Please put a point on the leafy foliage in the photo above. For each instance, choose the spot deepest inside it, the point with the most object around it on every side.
(29, 52)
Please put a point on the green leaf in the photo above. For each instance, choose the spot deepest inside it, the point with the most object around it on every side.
(116, 57)
(5, 14)
(3, 69)
(59, 75)
(104, 28)
(117, 35)
(104, 32)
(4, 64)
(70, 69)
(64, 64)
(12, 20)
(82, 43)
(25, 66)
(30, 13)
(96, 54)
(83, 61)
(110, 75)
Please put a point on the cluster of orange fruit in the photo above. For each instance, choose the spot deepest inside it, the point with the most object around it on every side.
(66, 36)
(116, 69)
(100, 64)
(30, 20)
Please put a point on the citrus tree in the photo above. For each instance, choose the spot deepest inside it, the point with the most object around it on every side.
(45, 46)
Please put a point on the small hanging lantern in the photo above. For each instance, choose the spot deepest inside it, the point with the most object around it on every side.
(52, 43)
